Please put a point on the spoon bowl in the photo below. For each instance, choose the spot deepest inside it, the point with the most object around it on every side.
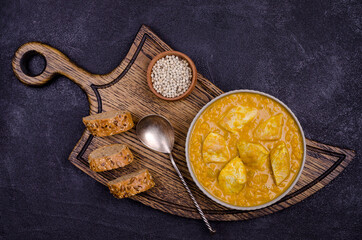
(156, 132)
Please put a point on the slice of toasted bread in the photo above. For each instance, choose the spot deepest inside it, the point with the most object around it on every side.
(131, 184)
(109, 123)
(110, 157)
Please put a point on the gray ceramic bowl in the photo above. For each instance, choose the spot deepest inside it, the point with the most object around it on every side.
(218, 200)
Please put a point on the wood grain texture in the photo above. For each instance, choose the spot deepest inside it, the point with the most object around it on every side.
(126, 88)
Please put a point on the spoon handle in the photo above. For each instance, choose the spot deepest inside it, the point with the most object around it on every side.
(192, 196)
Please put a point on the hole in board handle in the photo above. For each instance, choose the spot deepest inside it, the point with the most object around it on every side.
(33, 63)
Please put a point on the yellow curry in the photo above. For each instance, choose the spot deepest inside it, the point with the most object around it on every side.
(246, 149)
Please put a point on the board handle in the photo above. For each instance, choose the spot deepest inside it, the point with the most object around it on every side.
(55, 63)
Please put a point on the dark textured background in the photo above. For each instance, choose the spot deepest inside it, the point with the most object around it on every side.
(306, 54)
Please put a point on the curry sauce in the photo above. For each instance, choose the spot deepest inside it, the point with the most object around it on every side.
(259, 131)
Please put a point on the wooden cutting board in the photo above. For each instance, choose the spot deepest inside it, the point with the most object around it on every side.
(126, 88)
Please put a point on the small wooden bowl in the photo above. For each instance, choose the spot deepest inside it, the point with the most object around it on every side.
(180, 55)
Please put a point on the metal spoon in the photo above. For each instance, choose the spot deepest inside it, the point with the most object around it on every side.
(156, 132)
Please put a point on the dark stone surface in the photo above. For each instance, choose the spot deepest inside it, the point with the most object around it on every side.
(306, 54)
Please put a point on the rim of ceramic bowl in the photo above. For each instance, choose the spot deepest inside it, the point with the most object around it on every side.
(209, 194)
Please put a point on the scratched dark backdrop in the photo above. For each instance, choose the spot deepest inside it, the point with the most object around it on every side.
(306, 54)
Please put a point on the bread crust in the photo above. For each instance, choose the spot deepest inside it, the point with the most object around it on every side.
(107, 162)
(101, 126)
(131, 184)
